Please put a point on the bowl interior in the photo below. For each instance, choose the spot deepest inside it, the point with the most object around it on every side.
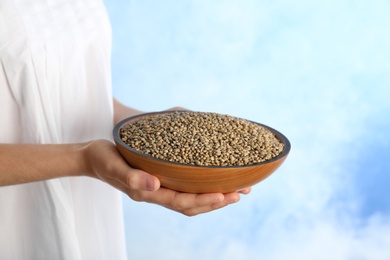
(199, 179)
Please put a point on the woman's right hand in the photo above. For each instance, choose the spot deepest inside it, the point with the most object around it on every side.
(104, 162)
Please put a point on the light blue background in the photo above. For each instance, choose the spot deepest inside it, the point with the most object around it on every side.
(318, 71)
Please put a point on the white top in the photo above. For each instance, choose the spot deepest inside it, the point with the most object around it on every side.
(55, 87)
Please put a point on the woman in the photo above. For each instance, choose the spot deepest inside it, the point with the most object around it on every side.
(60, 176)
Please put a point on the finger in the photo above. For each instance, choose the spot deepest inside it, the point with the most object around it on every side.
(118, 185)
(229, 198)
(232, 197)
(188, 200)
(179, 201)
(135, 179)
(191, 204)
(190, 212)
(245, 191)
(134, 194)
(176, 108)
(139, 180)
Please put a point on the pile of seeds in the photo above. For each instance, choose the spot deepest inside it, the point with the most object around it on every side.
(201, 138)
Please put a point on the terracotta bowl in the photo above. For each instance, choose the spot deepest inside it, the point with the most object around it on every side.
(199, 179)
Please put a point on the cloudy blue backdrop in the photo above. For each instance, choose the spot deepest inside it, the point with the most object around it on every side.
(318, 71)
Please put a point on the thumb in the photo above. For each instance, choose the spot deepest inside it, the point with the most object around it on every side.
(139, 180)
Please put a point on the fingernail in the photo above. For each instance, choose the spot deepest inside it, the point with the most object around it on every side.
(151, 184)
(220, 198)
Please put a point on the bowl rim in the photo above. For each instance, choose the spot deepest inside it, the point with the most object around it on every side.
(279, 135)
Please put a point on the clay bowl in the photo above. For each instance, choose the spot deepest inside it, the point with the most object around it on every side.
(199, 179)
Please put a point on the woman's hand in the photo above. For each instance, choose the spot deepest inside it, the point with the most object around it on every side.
(105, 163)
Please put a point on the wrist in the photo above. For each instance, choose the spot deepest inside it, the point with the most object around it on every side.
(82, 156)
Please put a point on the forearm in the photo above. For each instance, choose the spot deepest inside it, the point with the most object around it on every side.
(121, 111)
(22, 163)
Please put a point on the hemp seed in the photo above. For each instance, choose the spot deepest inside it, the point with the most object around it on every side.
(202, 138)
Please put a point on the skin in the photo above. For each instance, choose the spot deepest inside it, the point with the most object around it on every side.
(24, 163)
